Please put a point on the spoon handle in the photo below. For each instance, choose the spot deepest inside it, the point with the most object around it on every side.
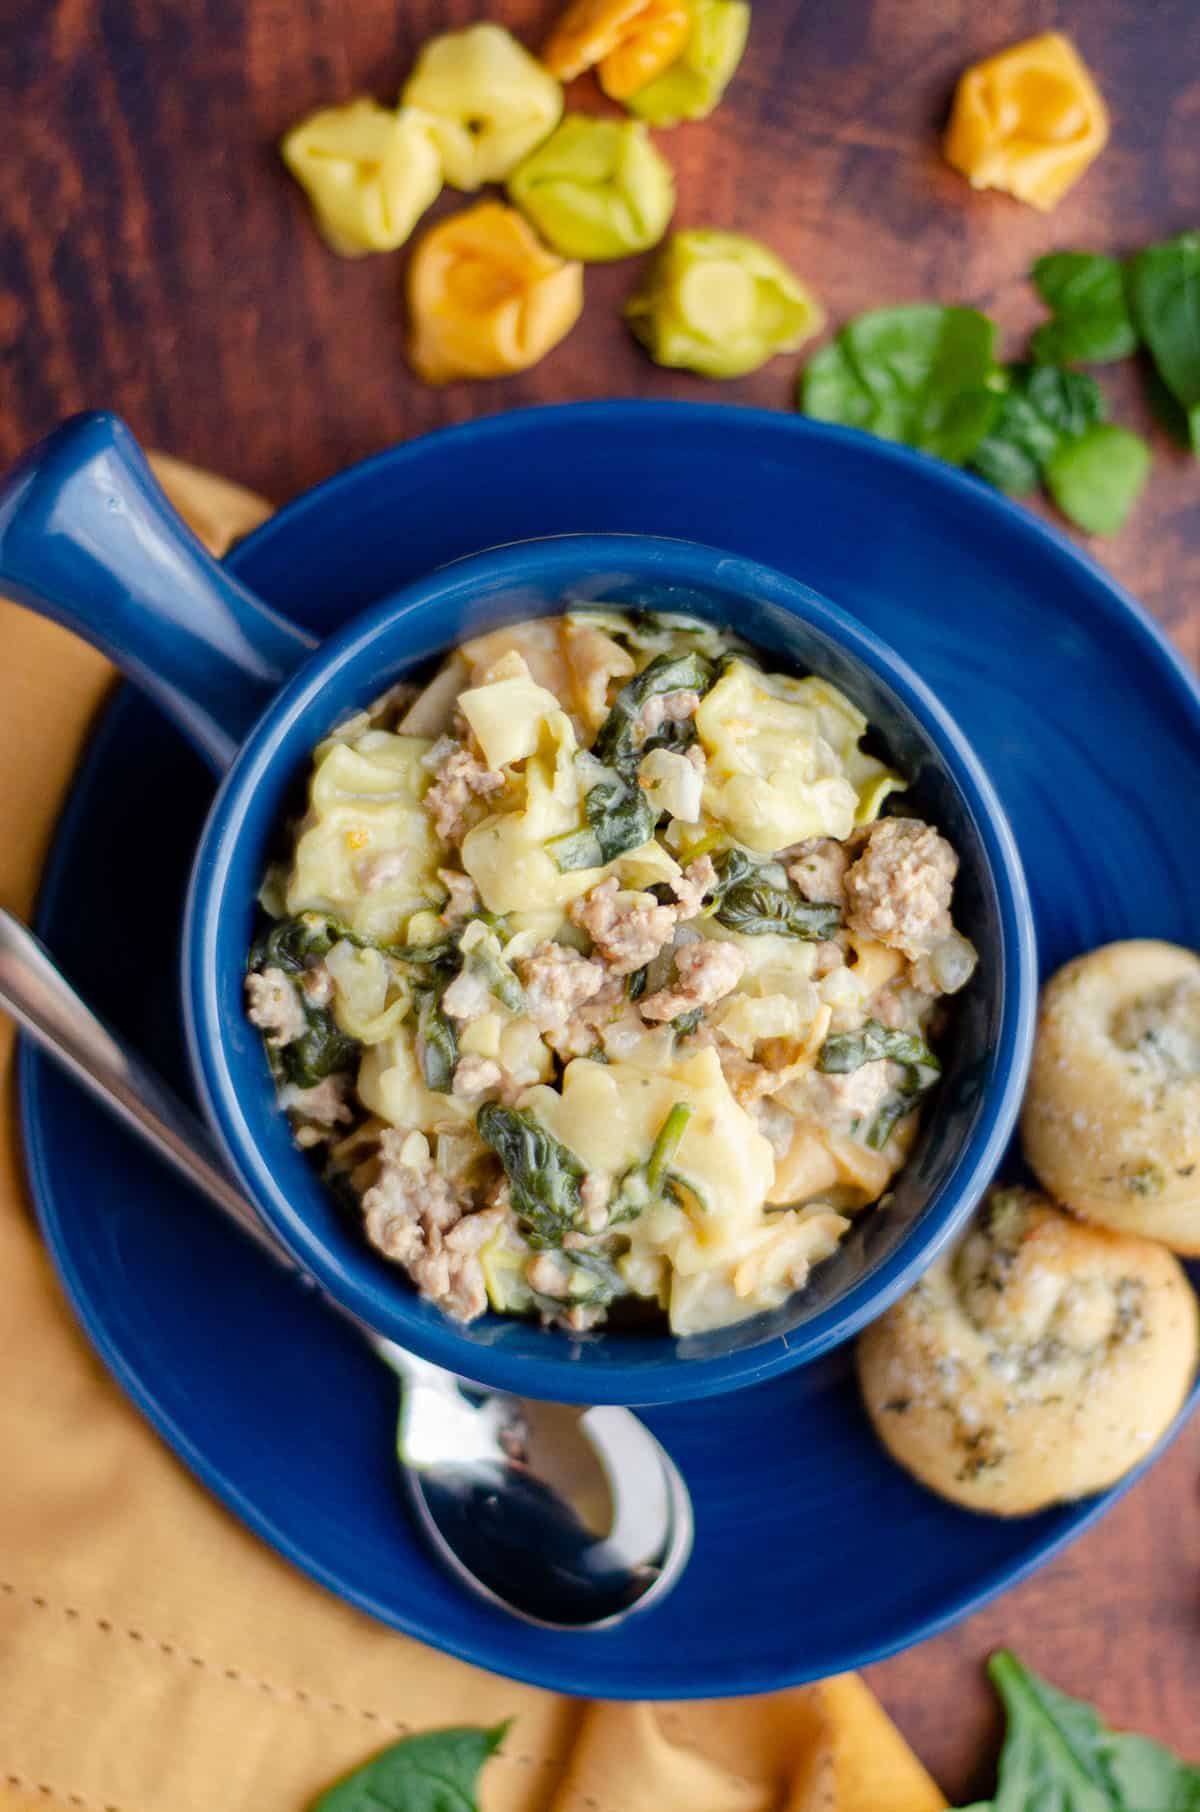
(43, 1002)
(88, 537)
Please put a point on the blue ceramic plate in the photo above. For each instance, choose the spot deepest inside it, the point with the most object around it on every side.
(814, 1553)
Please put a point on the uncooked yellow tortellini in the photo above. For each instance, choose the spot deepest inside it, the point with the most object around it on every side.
(486, 297)
(596, 189)
(488, 101)
(720, 304)
(369, 173)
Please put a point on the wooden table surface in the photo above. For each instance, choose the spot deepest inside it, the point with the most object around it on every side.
(155, 259)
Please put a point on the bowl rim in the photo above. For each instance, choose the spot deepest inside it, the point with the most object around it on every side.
(567, 1376)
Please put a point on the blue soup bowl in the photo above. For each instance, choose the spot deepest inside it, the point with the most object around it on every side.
(87, 537)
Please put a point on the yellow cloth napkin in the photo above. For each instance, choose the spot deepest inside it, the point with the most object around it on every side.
(155, 1656)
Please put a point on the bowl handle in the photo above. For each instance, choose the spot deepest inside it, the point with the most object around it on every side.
(88, 537)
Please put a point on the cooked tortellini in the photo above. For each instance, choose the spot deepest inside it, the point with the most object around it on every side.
(487, 100)
(612, 985)
(365, 853)
(596, 189)
(486, 298)
(1028, 120)
(783, 761)
(720, 304)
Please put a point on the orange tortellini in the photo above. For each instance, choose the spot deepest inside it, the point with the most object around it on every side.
(486, 297)
(628, 42)
(1029, 121)
(369, 173)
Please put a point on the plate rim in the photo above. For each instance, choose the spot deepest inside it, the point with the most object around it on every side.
(1120, 603)
(32, 1069)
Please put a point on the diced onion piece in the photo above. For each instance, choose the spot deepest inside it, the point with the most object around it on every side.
(672, 784)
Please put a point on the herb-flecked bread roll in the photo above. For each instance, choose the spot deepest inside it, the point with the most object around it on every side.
(1038, 1362)
(1112, 1115)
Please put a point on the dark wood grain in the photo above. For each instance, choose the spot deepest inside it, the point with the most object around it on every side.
(155, 259)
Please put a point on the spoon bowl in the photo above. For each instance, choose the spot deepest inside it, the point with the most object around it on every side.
(570, 1518)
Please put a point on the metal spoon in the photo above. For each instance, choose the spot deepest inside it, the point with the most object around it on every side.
(568, 1518)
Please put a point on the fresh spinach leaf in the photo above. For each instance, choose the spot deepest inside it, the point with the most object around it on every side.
(437, 1039)
(918, 374)
(874, 1042)
(1085, 293)
(1040, 408)
(1059, 1754)
(543, 1174)
(619, 743)
(756, 898)
(1164, 292)
(437, 1771)
(1097, 478)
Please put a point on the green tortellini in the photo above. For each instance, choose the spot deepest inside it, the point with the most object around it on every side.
(720, 304)
(690, 87)
(596, 189)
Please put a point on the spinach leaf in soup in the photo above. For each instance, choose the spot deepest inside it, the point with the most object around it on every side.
(543, 1174)
(843, 1052)
(1059, 1753)
(619, 742)
(293, 943)
(437, 1039)
(920, 374)
(593, 1279)
(1164, 293)
(619, 814)
(653, 632)
(1091, 322)
(653, 1181)
(1041, 407)
(322, 1049)
(619, 817)
(436, 1771)
(874, 1042)
(480, 953)
(757, 897)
